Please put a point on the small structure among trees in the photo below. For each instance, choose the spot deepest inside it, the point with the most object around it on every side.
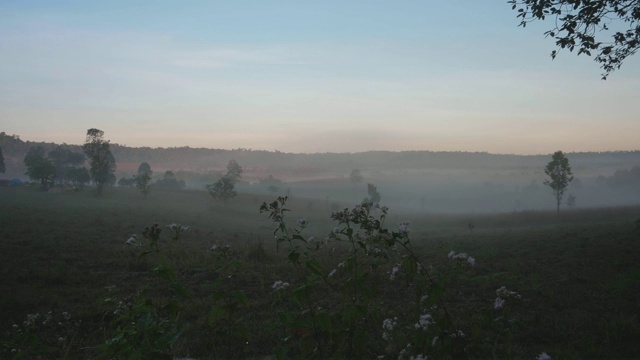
(560, 176)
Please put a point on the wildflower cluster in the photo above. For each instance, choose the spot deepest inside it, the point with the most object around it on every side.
(280, 285)
(387, 327)
(133, 240)
(41, 336)
(462, 256)
(424, 322)
(403, 227)
(544, 356)
(178, 228)
(367, 247)
(503, 294)
(142, 326)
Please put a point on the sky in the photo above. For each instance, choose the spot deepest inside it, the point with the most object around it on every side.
(306, 76)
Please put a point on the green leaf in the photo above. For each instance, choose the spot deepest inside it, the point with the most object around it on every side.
(281, 353)
(300, 294)
(409, 265)
(165, 272)
(172, 307)
(435, 293)
(294, 256)
(241, 297)
(323, 321)
(316, 268)
(179, 290)
(144, 254)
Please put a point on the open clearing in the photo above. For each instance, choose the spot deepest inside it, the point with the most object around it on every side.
(578, 273)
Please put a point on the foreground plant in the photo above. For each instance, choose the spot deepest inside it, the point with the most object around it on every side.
(345, 312)
(47, 335)
(144, 326)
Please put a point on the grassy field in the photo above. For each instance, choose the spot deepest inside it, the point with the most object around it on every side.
(577, 274)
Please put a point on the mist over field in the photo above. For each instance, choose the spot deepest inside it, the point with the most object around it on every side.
(327, 179)
(409, 181)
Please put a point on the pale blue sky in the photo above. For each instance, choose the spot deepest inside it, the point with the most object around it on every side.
(305, 76)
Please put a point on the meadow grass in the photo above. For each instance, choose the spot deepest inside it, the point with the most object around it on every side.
(578, 274)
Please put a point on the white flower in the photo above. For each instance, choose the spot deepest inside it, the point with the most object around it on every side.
(279, 285)
(403, 227)
(178, 228)
(418, 357)
(311, 239)
(389, 324)
(394, 271)
(461, 256)
(303, 222)
(333, 272)
(341, 265)
(498, 304)
(132, 240)
(435, 341)
(544, 356)
(404, 351)
(424, 322)
(504, 293)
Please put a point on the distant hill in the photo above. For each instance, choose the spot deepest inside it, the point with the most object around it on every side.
(423, 180)
(300, 166)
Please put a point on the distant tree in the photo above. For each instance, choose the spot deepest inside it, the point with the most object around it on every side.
(127, 182)
(234, 171)
(170, 182)
(273, 188)
(576, 23)
(39, 168)
(571, 201)
(2, 168)
(374, 195)
(79, 176)
(356, 176)
(223, 189)
(143, 179)
(560, 176)
(111, 180)
(63, 160)
(623, 179)
(101, 160)
(145, 168)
